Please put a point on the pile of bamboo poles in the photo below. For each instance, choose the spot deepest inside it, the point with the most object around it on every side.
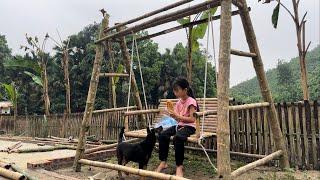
(12, 171)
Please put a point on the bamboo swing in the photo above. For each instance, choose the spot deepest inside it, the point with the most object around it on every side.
(215, 111)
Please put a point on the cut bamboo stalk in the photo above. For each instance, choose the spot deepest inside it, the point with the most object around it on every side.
(248, 106)
(114, 109)
(11, 174)
(138, 112)
(257, 163)
(131, 170)
(242, 53)
(223, 85)
(163, 19)
(5, 165)
(206, 113)
(263, 83)
(109, 146)
(171, 6)
(14, 146)
(87, 116)
(113, 75)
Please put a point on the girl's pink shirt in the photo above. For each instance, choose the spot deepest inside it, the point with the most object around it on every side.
(182, 108)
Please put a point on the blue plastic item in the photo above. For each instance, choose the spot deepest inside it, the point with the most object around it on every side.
(166, 122)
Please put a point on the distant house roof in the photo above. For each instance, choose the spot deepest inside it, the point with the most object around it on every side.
(6, 104)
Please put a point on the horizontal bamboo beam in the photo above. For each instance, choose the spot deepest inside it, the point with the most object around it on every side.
(130, 170)
(242, 53)
(163, 19)
(106, 147)
(138, 112)
(257, 163)
(209, 112)
(11, 174)
(248, 155)
(113, 75)
(114, 109)
(248, 106)
(191, 24)
(171, 6)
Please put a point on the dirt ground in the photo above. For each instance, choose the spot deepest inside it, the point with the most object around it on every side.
(196, 167)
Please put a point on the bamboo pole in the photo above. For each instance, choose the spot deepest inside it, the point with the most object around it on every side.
(248, 106)
(91, 97)
(263, 83)
(190, 24)
(138, 112)
(140, 172)
(113, 75)
(163, 19)
(114, 109)
(223, 130)
(242, 53)
(127, 61)
(150, 14)
(257, 163)
(109, 146)
(11, 174)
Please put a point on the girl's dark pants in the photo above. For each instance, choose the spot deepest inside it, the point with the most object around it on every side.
(180, 136)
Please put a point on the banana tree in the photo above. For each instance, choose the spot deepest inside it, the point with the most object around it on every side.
(12, 95)
(36, 70)
(194, 34)
(300, 34)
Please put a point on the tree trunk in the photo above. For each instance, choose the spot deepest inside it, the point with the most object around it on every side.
(189, 60)
(65, 66)
(223, 131)
(127, 61)
(263, 83)
(45, 87)
(91, 97)
(301, 50)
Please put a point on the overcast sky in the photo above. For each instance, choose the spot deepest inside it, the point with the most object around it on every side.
(37, 17)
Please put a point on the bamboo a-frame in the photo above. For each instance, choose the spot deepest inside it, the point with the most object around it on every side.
(223, 133)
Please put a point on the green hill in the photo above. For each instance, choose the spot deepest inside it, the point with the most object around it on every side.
(282, 89)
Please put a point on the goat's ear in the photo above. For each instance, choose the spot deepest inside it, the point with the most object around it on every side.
(148, 130)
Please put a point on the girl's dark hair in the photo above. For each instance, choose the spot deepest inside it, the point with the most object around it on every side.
(184, 84)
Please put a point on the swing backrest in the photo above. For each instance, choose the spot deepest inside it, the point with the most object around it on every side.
(210, 123)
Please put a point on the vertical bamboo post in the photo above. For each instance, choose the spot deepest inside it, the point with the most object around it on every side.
(112, 89)
(91, 96)
(189, 60)
(223, 131)
(262, 79)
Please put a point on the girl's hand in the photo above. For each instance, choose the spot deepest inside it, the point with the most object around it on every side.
(174, 115)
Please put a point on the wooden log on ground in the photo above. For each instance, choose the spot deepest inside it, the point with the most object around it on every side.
(109, 146)
(149, 14)
(242, 53)
(44, 149)
(11, 174)
(131, 170)
(248, 106)
(257, 163)
(138, 112)
(19, 170)
(14, 146)
(5, 165)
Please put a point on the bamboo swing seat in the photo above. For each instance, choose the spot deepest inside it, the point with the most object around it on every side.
(209, 126)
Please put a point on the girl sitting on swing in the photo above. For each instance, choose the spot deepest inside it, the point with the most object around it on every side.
(183, 114)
